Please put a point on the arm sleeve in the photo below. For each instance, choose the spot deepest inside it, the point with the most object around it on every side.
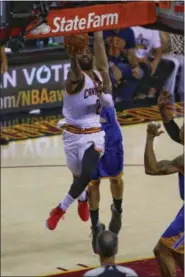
(173, 130)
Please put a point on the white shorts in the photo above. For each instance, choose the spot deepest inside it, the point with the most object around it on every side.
(75, 146)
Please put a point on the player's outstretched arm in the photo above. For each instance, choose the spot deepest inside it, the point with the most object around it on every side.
(75, 77)
(75, 67)
(170, 125)
(154, 167)
(101, 60)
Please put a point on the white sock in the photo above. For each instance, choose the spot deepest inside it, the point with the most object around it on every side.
(68, 200)
(83, 196)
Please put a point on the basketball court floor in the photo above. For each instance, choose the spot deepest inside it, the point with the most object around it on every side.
(33, 180)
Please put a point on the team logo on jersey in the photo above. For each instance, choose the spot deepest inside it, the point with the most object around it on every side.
(89, 92)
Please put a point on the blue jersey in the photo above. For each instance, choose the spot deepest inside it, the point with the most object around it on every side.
(110, 125)
(111, 163)
(181, 186)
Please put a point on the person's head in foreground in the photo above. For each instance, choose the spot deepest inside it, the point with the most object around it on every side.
(107, 245)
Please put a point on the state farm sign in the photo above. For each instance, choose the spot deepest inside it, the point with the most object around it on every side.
(62, 24)
(93, 18)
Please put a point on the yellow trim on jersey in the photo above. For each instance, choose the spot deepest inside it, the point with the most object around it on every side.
(77, 130)
(97, 182)
(114, 177)
(94, 183)
(169, 242)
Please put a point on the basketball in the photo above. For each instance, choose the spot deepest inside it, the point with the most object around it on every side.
(79, 41)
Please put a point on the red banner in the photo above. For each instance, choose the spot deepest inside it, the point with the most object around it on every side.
(93, 18)
(179, 8)
(165, 4)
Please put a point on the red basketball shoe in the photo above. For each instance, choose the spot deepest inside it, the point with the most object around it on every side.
(55, 215)
(83, 210)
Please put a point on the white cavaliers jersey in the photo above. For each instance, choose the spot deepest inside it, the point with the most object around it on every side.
(82, 109)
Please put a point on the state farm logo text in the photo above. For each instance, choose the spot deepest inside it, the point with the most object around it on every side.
(61, 24)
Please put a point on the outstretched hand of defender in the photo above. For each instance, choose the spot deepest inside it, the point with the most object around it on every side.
(164, 99)
(98, 86)
(153, 129)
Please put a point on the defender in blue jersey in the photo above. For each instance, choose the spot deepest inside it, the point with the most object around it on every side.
(169, 248)
(110, 166)
(111, 163)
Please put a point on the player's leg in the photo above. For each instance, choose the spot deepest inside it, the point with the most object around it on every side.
(165, 251)
(179, 258)
(117, 188)
(94, 200)
(116, 155)
(165, 260)
(83, 209)
(86, 163)
(178, 246)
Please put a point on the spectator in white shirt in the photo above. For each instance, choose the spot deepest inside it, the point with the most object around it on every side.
(173, 50)
(149, 54)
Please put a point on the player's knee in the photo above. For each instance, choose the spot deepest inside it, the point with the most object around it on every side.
(117, 183)
(160, 250)
(93, 188)
(85, 179)
(93, 195)
(94, 184)
(87, 174)
(156, 251)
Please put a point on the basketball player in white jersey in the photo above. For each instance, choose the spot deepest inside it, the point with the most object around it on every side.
(83, 138)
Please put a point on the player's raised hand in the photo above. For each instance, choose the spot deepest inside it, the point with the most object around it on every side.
(76, 43)
(153, 129)
(99, 86)
(164, 99)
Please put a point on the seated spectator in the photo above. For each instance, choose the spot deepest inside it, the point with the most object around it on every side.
(173, 50)
(123, 65)
(156, 70)
(107, 244)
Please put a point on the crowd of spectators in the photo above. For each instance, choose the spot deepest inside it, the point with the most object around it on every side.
(140, 63)
(140, 66)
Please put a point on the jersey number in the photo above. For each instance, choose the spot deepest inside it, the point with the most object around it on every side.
(98, 106)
